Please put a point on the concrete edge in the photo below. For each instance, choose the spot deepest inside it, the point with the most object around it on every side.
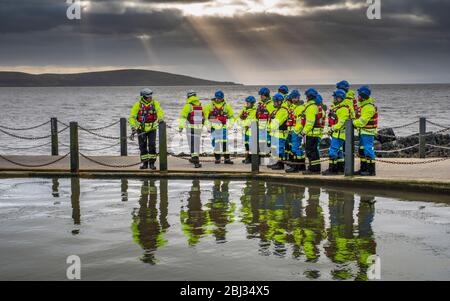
(435, 187)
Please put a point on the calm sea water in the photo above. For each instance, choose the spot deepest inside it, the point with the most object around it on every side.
(217, 230)
(98, 106)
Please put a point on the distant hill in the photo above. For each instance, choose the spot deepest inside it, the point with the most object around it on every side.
(128, 77)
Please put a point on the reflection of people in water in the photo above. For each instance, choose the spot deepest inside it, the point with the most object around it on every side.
(221, 212)
(344, 247)
(148, 230)
(273, 216)
(193, 219)
(313, 225)
(366, 240)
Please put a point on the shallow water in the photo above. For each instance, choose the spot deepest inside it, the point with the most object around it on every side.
(217, 230)
(98, 106)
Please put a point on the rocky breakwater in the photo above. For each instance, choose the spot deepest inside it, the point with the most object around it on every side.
(387, 140)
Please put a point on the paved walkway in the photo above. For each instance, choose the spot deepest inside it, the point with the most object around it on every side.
(437, 171)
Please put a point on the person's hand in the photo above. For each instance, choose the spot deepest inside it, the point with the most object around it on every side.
(133, 134)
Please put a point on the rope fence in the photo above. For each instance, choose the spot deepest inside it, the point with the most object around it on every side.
(425, 146)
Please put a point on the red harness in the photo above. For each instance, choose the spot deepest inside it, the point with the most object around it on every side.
(194, 115)
(291, 120)
(320, 117)
(373, 122)
(262, 113)
(218, 114)
(147, 114)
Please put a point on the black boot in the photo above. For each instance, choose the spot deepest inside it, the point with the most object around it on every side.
(370, 170)
(196, 162)
(151, 165)
(278, 166)
(227, 160)
(217, 159)
(313, 170)
(302, 166)
(340, 168)
(144, 165)
(248, 159)
(332, 169)
(293, 168)
(362, 169)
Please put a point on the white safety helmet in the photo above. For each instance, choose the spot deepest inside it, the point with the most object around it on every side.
(146, 93)
(191, 93)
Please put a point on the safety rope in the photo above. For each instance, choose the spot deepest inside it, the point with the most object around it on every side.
(34, 165)
(30, 138)
(108, 165)
(438, 146)
(25, 148)
(396, 150)
(24, 129)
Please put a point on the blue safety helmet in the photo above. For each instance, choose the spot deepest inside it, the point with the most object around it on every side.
(311, 93)
(340, 93)
(319, 99)
(278, 97)
(264, 91)
(283, 89)
(364, 91)
(343, 85)
(250, 99)
(219, 94)
(295, 94)
(146, 93)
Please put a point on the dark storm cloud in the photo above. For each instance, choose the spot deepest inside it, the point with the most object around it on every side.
(412, 34)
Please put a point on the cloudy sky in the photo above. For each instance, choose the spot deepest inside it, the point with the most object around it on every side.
(246, 41)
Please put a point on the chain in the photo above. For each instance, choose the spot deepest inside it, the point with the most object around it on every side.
(109, 165)
(403, 126)
(98, 135)
(412, 163)
(29, 138)
(25, 148)
(24, 129)
(93, 149)
(103, 127)
(438, 125)
(33, 166)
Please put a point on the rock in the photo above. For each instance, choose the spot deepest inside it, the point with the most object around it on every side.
(386, 135)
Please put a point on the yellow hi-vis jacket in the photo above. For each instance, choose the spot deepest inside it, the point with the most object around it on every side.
(342, 112)
(186, 112)
(367, 115)
(309, 114)
(277, 124)
(222, 107)
(245, 118)
(144, 126)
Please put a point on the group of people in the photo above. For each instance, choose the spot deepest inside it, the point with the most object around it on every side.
(289, 128)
